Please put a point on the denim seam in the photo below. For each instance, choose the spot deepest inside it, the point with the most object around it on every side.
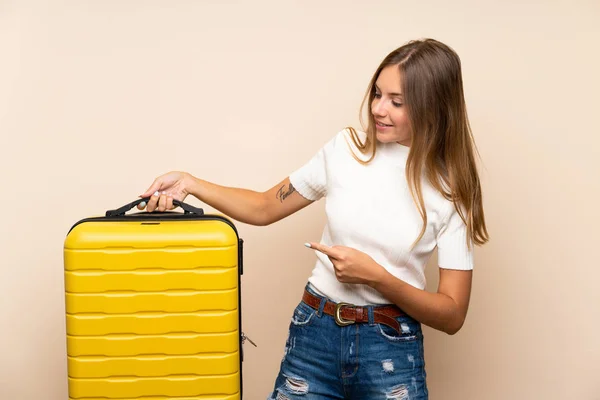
(357, 358)
(426, 392)
(357, 347)
(341, 359)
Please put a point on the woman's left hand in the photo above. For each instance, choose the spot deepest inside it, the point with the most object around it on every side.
(351, 265)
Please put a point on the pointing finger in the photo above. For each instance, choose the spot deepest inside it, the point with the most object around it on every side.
(321, 248)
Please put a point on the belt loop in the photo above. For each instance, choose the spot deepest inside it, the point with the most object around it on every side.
(371, 315)
(321, 306)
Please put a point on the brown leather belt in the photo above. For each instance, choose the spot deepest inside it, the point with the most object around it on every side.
(347, 314)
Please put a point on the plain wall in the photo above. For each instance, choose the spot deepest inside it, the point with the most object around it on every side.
(97, 98)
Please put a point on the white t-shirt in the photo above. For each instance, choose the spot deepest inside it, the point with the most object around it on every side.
(370, 208)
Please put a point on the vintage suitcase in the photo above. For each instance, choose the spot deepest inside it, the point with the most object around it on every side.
(153, 306)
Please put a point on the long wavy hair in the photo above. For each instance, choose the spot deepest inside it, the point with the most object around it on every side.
(442, 145)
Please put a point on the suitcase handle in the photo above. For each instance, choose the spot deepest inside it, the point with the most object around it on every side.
(187, 209)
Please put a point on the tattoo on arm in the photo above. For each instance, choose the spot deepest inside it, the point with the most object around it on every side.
(282, 194)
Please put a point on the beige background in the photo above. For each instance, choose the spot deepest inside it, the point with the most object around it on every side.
(99, 97)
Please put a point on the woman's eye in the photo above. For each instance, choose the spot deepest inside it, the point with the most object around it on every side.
(396, 104)
(377, 95)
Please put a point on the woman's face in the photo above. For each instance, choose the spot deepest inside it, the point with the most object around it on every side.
(388, 108)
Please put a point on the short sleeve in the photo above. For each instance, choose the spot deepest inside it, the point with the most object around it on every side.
(453, 252)
(310, 180)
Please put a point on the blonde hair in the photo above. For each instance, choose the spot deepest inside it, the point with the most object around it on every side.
(442, 142)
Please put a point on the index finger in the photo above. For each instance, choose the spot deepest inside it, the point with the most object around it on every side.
(322, 248)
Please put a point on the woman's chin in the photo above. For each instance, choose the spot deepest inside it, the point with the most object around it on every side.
(386, 137)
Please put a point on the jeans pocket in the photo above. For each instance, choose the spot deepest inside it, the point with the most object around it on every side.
(409, 331)
(303, 314)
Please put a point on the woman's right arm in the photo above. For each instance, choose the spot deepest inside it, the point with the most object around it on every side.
(247, 206)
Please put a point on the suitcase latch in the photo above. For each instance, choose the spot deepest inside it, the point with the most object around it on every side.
(244, 337)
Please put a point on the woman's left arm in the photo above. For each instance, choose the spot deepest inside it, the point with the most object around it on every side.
(445, 310)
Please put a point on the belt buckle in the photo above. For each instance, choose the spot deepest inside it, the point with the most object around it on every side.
(338, 315)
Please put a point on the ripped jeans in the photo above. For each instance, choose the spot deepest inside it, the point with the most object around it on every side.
(362, 361)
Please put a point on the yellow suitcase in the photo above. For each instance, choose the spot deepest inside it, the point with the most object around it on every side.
(153, 306)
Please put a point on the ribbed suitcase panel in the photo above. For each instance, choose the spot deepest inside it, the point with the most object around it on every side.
(172, 301)
(178, 258)
(180, 386)
(152, 366)
(140, 235)
(135, 345)
(151, 281)
(152, 323)
(203, 397)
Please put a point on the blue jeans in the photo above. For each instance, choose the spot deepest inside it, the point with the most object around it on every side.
(362, 361)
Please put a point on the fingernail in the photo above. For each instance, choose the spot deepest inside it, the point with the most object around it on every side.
(143, 204)
(307, 245)
(156, 193)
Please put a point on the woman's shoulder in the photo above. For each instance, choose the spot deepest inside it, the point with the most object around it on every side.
(347, 140)
(351, 134)
(352, 141)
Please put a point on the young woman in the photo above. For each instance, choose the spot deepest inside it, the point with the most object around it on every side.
(394, 193)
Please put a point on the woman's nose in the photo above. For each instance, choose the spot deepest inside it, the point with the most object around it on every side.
(378, 109)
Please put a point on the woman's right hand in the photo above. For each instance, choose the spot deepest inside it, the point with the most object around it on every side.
(171, 186)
